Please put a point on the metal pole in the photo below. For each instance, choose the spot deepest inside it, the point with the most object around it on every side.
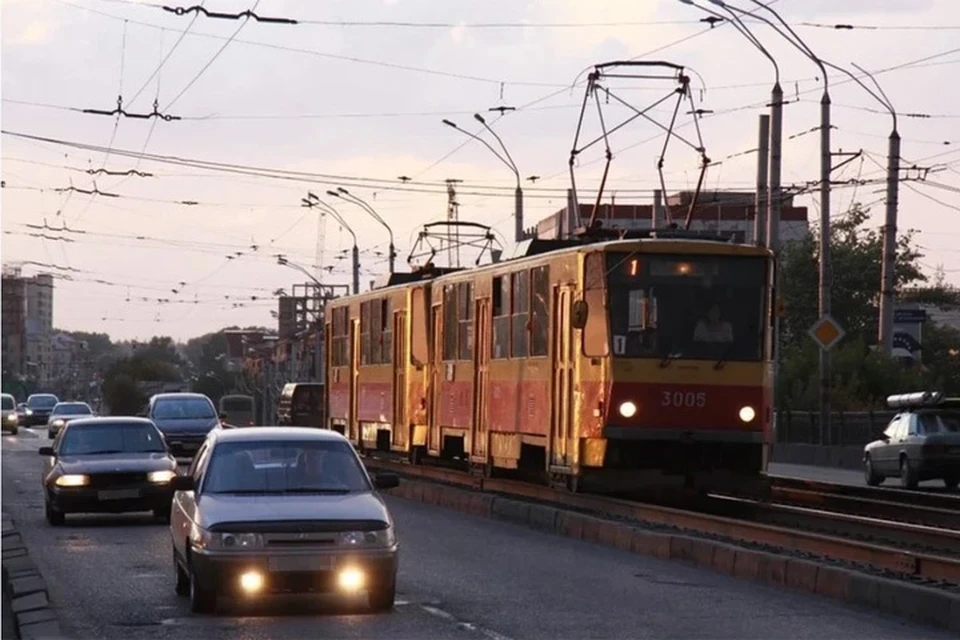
(763, 160)
(826, 274)
(657, 210)
(518, 214)
(890, 245)
(775, 199)
(356, 269)
(393, 257)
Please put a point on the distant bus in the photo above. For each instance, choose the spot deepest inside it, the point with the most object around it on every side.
(241, 410)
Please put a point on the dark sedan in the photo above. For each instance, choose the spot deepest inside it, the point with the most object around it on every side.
(185, 419)
(39, 407)
(108, 465)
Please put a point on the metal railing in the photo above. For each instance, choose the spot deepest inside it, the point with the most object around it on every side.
(846, 428)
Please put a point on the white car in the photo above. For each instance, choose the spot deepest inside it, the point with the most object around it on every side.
(63, 413)
(8, 416)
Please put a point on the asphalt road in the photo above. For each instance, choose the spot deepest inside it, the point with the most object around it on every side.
(461, 577)
(843, 476)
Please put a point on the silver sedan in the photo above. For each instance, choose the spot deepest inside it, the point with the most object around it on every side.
(271, 510)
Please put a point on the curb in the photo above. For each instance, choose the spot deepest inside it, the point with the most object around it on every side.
(25, 588)
(917, 603)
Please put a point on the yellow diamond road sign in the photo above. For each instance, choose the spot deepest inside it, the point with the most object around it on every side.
(827, 332)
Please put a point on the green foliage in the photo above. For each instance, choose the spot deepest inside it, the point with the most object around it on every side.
(861, 378)
(119, 387)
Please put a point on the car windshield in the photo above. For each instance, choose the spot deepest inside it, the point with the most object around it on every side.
(285, 467)
(237, 404)
(42, 402)
(931, 424)
(8, 403)
(72, 409)
(687, 307)
(120, 437)
(183, 409)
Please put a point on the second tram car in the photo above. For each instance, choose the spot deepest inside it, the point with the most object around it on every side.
(608, 367)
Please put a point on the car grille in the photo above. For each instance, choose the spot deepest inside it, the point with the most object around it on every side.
(101, 480)
(286, 530)
(299, 540)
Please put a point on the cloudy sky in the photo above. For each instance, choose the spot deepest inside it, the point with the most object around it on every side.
(354, 95)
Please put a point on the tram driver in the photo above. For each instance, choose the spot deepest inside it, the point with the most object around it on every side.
(713, 328)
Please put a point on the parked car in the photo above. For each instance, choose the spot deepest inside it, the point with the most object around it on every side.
(8, 414)
(107, 465)
(921, 442)
(281, 510)
(63, 413)
(39, 406)
(185, 419)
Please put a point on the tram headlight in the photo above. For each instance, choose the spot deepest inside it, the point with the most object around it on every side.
(747, 414)
(628, 409)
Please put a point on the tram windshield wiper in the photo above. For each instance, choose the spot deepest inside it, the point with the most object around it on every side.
(670, 357)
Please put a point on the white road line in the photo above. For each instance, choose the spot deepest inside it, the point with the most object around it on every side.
(467, 626)
(440, 613)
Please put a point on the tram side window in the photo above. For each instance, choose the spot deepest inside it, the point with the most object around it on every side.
(366, 322)
(450, 324)
(539, 316)
(340, 337)
(385, 339)
(465, 320)
(521, 313)
(376, 334)
(596, 342)
(501, 318)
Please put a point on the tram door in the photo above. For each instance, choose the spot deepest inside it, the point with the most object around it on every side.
(562, 375)
(400, 430)
(481, 377)
(436, 381)
(353, 432)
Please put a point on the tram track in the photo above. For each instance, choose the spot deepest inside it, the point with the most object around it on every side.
(907, 550)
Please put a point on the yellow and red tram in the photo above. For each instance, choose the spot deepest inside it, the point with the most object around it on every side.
(608, 366)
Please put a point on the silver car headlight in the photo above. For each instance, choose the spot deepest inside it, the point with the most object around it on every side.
(236, 541)
(11, 417)
(58, 422)
(379, 538)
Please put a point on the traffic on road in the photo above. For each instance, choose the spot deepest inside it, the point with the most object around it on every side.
(457, 576)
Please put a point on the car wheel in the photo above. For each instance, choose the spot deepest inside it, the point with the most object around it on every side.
(54, 518)
(951, 483)
(908, 477)
(201, 600)
(382, 599)
(14, 430)
(162, 515)
(183, 580)
(50, 434)
(869, 474)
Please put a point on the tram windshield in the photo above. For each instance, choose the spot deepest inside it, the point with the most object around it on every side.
(687, 307)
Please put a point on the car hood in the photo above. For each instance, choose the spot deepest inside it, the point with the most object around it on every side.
(117, 463)
(186, 425)
(217, 509)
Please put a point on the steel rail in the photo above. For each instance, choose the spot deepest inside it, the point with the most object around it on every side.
(876, 556)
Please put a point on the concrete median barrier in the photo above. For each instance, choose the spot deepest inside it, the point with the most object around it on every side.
(923, 604)
(26, 609)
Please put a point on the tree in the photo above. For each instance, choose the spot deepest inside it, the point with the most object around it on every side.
(120, 386)
(856, 257)
(861, 377)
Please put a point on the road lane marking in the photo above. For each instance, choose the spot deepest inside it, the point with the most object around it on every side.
(467, 626)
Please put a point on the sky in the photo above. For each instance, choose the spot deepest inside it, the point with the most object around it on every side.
(147, 238)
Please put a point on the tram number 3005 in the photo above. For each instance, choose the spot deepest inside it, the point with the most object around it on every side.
(687, 399)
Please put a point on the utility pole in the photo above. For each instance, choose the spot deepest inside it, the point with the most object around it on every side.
(313, 201)
(888, 286)
(453, 215)
(762, 202)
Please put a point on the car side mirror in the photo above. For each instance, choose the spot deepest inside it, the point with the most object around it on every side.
(386, 480)
(182, 483)
(47, 451)
(222, 415)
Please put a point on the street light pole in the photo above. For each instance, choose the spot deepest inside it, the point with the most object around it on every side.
(313, 201)
(508, 160)
(349, 197)
(826, 274)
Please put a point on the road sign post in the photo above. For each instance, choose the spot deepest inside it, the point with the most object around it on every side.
(826, 332)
